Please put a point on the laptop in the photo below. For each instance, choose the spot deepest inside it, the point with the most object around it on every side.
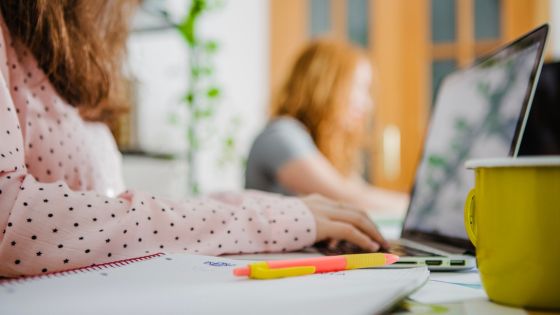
(542, 133)
(479, 112)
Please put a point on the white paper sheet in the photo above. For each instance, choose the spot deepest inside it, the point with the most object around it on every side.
(466, 278)
(442, 292)
(187, 284)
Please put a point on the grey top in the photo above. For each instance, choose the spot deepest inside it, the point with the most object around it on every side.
(283, 140)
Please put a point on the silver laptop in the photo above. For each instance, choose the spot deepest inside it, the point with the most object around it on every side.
(479, 112)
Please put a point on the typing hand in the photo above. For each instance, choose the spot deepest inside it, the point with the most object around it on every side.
(338, 221)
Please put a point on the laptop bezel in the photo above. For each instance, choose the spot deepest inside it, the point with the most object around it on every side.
(537, 35)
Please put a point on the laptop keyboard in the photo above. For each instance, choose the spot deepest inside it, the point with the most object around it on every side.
(344, 248)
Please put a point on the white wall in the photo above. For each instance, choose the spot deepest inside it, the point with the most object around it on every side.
(159, 61)
(242, 30)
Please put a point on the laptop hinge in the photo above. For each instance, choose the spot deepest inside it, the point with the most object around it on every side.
(437, 245)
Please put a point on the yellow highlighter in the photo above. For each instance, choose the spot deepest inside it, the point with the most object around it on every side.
(299, 267)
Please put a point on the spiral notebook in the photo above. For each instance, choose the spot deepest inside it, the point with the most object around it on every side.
(190, 284)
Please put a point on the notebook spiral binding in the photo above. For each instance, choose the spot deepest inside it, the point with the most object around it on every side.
(94, 267)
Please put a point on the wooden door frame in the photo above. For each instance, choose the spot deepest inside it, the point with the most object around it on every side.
(399, 35)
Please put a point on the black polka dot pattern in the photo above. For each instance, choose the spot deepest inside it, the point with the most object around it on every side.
(59, 183)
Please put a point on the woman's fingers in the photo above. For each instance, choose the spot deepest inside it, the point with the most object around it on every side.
(359, 220)
(340, 222)
(333, 244)
(348, 232)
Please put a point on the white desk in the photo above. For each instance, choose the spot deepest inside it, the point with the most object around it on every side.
(456, 293)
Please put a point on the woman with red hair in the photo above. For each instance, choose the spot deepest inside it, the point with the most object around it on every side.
(318, 130)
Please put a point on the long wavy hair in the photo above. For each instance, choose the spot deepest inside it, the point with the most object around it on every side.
(80, 45)
(317, 93)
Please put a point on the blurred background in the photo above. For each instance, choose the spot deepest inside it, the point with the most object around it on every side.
(251, 46)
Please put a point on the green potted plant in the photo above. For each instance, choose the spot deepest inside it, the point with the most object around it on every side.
(203, 92)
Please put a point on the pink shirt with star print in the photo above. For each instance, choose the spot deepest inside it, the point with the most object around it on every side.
(63, 204)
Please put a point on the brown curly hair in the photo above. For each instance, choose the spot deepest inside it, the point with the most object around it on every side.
(80, 45)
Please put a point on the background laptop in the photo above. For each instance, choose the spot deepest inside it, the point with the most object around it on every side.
(479, 112)
(542, 133)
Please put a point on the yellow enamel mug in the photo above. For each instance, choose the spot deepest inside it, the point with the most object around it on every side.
(512, 217)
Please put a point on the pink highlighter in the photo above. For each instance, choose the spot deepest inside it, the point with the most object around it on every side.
(298, 267)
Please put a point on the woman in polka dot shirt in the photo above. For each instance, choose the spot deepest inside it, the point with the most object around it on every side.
(62, 200)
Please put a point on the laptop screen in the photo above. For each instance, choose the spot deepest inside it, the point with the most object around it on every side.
(479, 113)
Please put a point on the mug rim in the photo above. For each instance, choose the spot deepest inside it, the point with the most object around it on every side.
(551, 160)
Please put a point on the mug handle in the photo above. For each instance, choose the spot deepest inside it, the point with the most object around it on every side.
(470, 224)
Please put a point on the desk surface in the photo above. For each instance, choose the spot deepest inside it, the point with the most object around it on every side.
(454, 293)
(446, 292)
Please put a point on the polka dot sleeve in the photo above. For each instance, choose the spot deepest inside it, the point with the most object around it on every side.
(62, 220)
(52, 228)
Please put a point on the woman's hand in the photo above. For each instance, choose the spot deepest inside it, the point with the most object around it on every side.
(336, 221)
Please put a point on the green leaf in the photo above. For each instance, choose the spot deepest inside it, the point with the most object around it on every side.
(211, 46)
(186, 29)
(193, 139)
(484, 88)
(195, 189)
(436, 160)
(207, 71)
(189, 97)
(196, 71)
(213, 92)
(187, 26)
(230, 143)
(203, 113)
(461, 124)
